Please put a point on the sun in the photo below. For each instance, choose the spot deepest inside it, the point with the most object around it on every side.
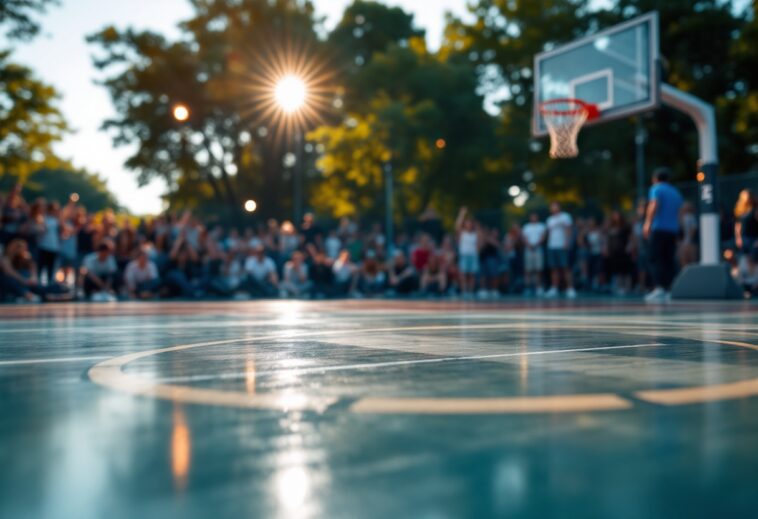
(291, 93)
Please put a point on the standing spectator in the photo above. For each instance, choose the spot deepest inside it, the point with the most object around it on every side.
(489, 260)
(295, 282)
(99, 272)
(661, 228)
(468, 251)
(560, 230)
(597, 250)
(619, 258)
(333, 245)
(262, 279)
(534, 233)
(49, 242)
(141, 277)
(13, 216)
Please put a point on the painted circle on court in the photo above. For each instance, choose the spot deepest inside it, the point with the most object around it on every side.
(110, 374)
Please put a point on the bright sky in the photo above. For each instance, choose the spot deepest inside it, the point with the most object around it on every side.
(62, 58)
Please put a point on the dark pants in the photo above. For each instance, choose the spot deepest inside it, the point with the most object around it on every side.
(47, 260)
(663, 257)
(90, 287)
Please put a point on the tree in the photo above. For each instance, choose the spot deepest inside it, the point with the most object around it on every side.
(58, 184)
(30, 121)
(222, 69)
(506, 34)
(18, 18)
(406, 107)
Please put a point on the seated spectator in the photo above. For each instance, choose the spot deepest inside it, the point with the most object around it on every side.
(225, 275)
(402, 276)
(99, 273)
(295, 282)
(321, 273)
(434, 278)
(371, 279)
(262, 279)
(18, 277)
(421, 253)
(183, 274)
(748, 273)
(141, 277)
(344, 272)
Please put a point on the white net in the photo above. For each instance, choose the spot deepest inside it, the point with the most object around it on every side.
(564, 120)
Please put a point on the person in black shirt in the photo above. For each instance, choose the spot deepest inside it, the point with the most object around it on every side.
(747, 232)
(402, 276)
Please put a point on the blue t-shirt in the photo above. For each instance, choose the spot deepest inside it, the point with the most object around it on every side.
(669, 202)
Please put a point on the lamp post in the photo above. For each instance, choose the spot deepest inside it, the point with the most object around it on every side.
(291, 94)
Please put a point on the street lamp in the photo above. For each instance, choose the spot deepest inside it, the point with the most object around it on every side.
(180, 112)
(291, 95)
(251, 206)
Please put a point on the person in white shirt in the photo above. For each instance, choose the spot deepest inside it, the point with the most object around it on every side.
(296, 282)
(559, 237)
(141, 277)
(262, 278)
(534, 233)
(98, 273)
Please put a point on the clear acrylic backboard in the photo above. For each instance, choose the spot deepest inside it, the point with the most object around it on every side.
(615, 70)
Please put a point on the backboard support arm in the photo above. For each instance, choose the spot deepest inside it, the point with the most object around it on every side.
(711, 279)
(704, 117)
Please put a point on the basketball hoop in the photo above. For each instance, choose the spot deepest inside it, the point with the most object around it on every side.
(564, 119)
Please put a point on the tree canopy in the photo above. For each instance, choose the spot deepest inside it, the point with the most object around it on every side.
(382, 99)
(19, 17)
(30, 121)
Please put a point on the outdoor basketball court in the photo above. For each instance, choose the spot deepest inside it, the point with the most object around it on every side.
(379, 409)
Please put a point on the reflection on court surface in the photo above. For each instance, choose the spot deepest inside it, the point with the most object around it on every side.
(376, 409)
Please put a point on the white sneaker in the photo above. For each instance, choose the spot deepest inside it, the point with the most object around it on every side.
(656, 295)
(552, 293)
(571, 293)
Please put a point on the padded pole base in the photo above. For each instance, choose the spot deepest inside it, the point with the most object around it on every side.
(706, 282)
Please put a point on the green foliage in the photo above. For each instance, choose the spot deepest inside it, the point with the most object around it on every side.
(30, 122)
(58, 184)
(228, 150)
(697, 40)
(17, 17)
(411, 108)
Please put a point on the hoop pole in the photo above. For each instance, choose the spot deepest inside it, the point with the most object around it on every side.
(704, 117)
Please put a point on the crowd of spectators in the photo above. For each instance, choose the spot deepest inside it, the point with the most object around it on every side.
(56, 253)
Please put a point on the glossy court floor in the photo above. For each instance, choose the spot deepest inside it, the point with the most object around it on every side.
(379, 410)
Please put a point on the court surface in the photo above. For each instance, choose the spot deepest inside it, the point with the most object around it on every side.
(379, 409)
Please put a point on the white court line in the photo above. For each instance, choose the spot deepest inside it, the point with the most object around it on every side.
(21, 362)
(374, 365)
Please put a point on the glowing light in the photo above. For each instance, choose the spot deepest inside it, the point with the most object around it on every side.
(514, 191)
(521, 199)
(728, 254)
(181, 449)
(181, 112)
(700, 176)
(441, 144)
(292, 487)
(251, 206)
(291, 93)
(74, 197)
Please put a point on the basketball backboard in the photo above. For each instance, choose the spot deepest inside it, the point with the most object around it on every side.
(615, 69)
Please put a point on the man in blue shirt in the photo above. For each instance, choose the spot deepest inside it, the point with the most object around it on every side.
(661, 229)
